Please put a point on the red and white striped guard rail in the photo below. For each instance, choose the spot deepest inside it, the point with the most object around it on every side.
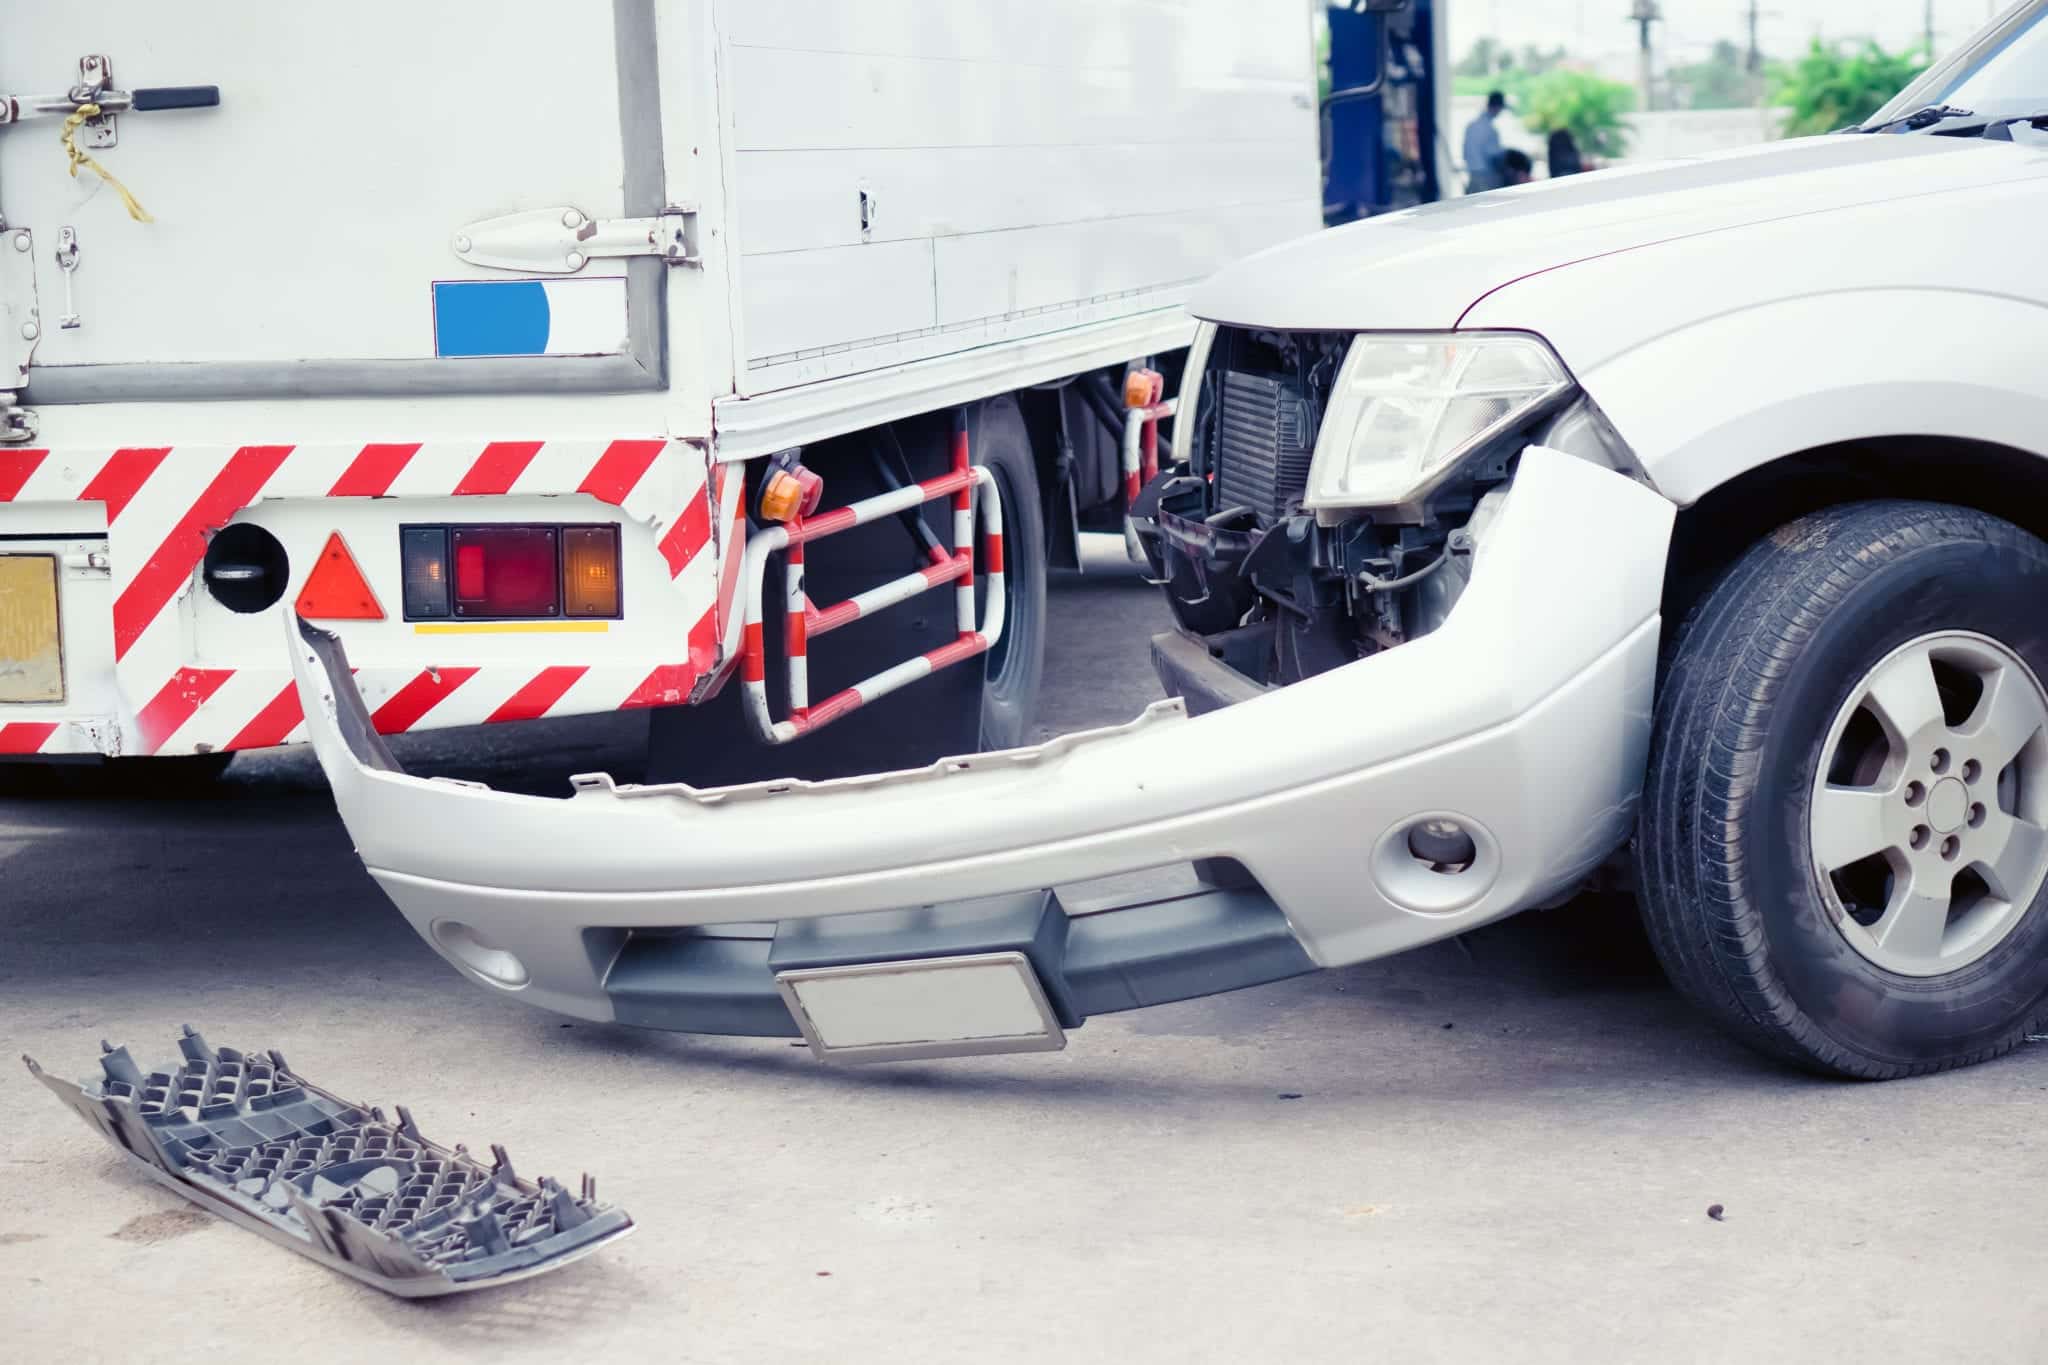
(803, 620)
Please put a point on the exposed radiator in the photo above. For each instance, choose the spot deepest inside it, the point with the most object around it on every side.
(1265, 433)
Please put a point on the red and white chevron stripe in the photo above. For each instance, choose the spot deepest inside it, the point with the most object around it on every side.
(162, 502)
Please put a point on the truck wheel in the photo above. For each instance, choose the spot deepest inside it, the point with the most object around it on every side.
(990, 703)
(1842, 850)
(1016, 665)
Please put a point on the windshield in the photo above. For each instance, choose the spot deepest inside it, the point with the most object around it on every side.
(2002, 71)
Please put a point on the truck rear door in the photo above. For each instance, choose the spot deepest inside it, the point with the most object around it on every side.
(305, 232)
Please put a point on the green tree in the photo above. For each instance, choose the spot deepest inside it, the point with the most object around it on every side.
(1481, 59)
(1591, 107)
(1720, 82)
(1833, 87)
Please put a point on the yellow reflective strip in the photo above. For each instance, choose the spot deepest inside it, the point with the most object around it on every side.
(511, 627)
(31, 642)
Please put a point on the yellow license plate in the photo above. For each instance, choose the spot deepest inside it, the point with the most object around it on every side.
(31, 647)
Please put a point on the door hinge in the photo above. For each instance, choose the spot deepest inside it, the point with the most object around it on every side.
(21, 325)
(561, 241)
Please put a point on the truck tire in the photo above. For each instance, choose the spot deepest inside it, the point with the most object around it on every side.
(990, 703)
(1840, 853)
(1016, 665)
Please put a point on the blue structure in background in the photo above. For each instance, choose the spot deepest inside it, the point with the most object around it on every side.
(1379, 148)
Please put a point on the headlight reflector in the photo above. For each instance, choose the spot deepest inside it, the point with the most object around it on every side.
(1406, 406)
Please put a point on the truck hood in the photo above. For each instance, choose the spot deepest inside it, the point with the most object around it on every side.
(1422, 268)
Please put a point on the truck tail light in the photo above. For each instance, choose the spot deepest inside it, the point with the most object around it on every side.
(505, 571)
(497, 572)
(590, 571)
(469, 573)
(423, 552)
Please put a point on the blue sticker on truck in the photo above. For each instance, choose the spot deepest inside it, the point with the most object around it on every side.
(530, 317)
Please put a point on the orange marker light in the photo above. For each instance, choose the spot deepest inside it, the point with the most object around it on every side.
(781, 497)
(1143, 388)
(590, 571)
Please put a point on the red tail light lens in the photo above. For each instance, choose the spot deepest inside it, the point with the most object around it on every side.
(469, 573)
(499, 572)
(507, 571)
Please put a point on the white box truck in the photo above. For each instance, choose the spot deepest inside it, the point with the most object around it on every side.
(470, 330)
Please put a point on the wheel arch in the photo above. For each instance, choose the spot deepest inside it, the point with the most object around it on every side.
(1711, 532)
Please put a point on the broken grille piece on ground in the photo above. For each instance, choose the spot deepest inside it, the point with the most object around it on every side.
(243, 1136)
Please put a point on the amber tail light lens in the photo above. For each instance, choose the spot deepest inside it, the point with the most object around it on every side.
(590, 571)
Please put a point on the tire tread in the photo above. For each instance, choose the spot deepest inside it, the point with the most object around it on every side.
(1724, 665)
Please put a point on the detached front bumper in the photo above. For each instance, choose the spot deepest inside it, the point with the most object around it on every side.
(1525, 717)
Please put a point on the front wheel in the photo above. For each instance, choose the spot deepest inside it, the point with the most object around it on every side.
(1843, 848)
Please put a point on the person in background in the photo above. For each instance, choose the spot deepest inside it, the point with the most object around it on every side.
(1516, 168)
(1564, 153)
(1482, 147)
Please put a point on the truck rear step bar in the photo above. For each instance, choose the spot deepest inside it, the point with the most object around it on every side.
(802, 619)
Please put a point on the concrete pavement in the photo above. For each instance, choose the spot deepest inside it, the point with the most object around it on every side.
(1500, 1149)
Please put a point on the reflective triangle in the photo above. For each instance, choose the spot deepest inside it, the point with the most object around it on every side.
(336, 589)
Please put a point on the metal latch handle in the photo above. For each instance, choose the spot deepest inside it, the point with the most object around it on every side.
(96, 87)
(16, 107)
(175, 97)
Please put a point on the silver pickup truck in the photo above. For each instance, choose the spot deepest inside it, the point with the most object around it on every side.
(1683, 517)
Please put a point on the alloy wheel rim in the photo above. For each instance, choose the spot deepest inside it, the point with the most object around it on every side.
(1928, 822)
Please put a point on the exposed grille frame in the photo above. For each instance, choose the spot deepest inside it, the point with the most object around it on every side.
(1264, 395)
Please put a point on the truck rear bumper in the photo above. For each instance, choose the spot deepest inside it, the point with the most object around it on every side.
(1525, 718)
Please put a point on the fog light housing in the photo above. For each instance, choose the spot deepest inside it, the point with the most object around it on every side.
(1435, 862)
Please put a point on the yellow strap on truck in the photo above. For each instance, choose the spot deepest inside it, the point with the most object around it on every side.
(79, 157)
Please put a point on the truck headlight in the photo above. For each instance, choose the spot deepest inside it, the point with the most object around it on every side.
(1407, 406)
